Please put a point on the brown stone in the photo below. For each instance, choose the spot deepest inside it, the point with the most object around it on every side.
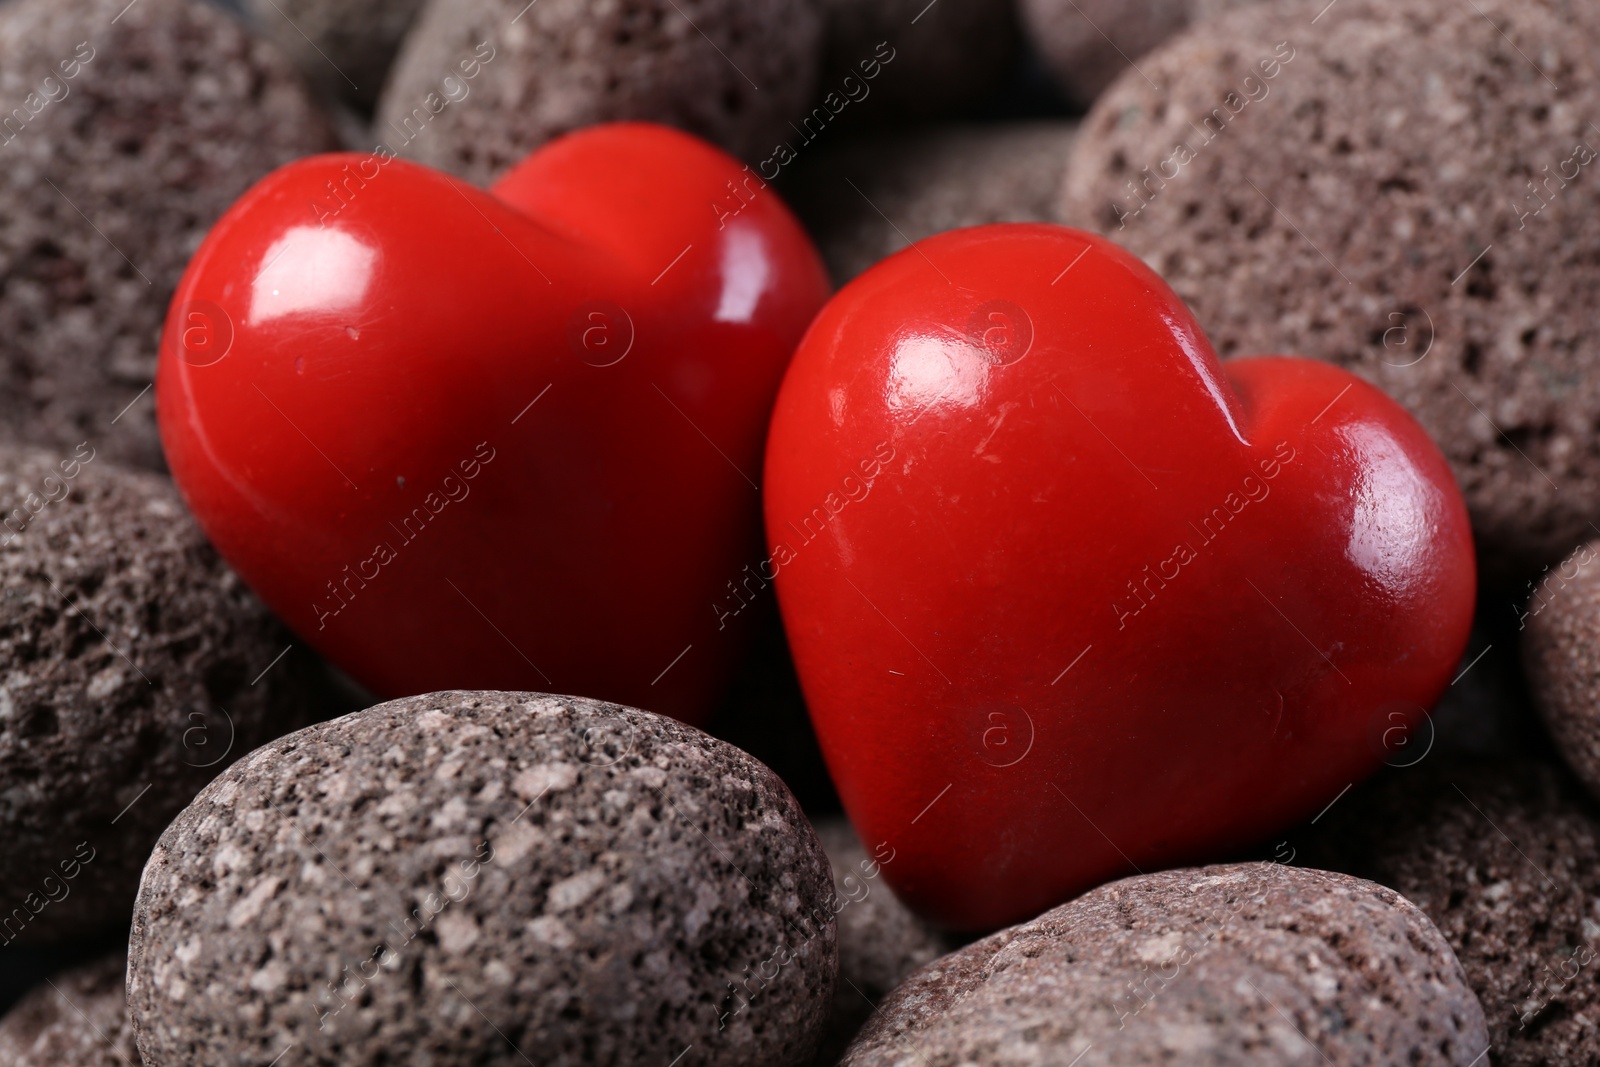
(880, 941)
(481, 83)
(133, 668)
(1505, 859)
(165, 112)
(1561, 650)
(345, 46)
(1232, 965)
(78, 1019)
(1367, 202)
(486, 878)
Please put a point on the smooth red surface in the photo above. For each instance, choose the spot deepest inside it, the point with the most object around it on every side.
(990, 705)
(376, 350)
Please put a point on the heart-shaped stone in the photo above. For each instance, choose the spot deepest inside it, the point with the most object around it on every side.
(1071, 599)
(507, 440)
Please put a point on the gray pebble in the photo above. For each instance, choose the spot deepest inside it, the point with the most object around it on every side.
(1231, 965)
(479, 878)
(1561, 651)
(79, 1019)
(144, 122)
(127, 655)
(1368, 201)
(481, 83)
(1504, 855)
(345, 46)
(1087, 44)
(880, 941)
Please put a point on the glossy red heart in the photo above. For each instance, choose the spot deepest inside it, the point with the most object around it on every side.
(508, 440)
(1068, 597)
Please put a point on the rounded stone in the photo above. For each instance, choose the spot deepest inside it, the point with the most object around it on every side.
(483, 878)
(912, 185)
(481, 83)
(1243, 964)
(127, 655)
(80, 1019)
(1561, 653)
(946, 55)
(1087, 43)
(144, 123)
(1505, 858)
(1371, 191)
(344, 46)
(880, 941)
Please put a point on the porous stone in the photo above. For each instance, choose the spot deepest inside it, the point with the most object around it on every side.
(1087, 43)
(912, 185)
(345, 46)
(481, 83)
(1561, 651)
(1405, 190)
(1236, 965)
(947, 55)
(880, 941)
(128, 650)
(79, 1019)
(127, 130)
(1505, 858)
(480, 877)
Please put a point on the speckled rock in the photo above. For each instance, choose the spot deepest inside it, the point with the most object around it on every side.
(1233, 965)
(142, 126)
(1561, 651)
(908, 186)
(345, 46)
(880, 941)
(1505, 859)
(1088, 43)
(80, 1019)
(127, 655)
(946, 54)
(479, 878)
(1369, 202)
(481, 83)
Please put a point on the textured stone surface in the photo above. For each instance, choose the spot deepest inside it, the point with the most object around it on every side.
(1505, 859)
(1087, 44)
(1371, 206)
(127, 650)
(173, 111)
(1561, 649)
(880, 941)
(79, 1020)
(438, 879)
(543, 70)
(947, 54)
(915, 184)
(344, 45)
(1241, 964)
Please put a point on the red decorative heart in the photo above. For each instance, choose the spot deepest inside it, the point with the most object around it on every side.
(1068, 598)
(508, 440)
